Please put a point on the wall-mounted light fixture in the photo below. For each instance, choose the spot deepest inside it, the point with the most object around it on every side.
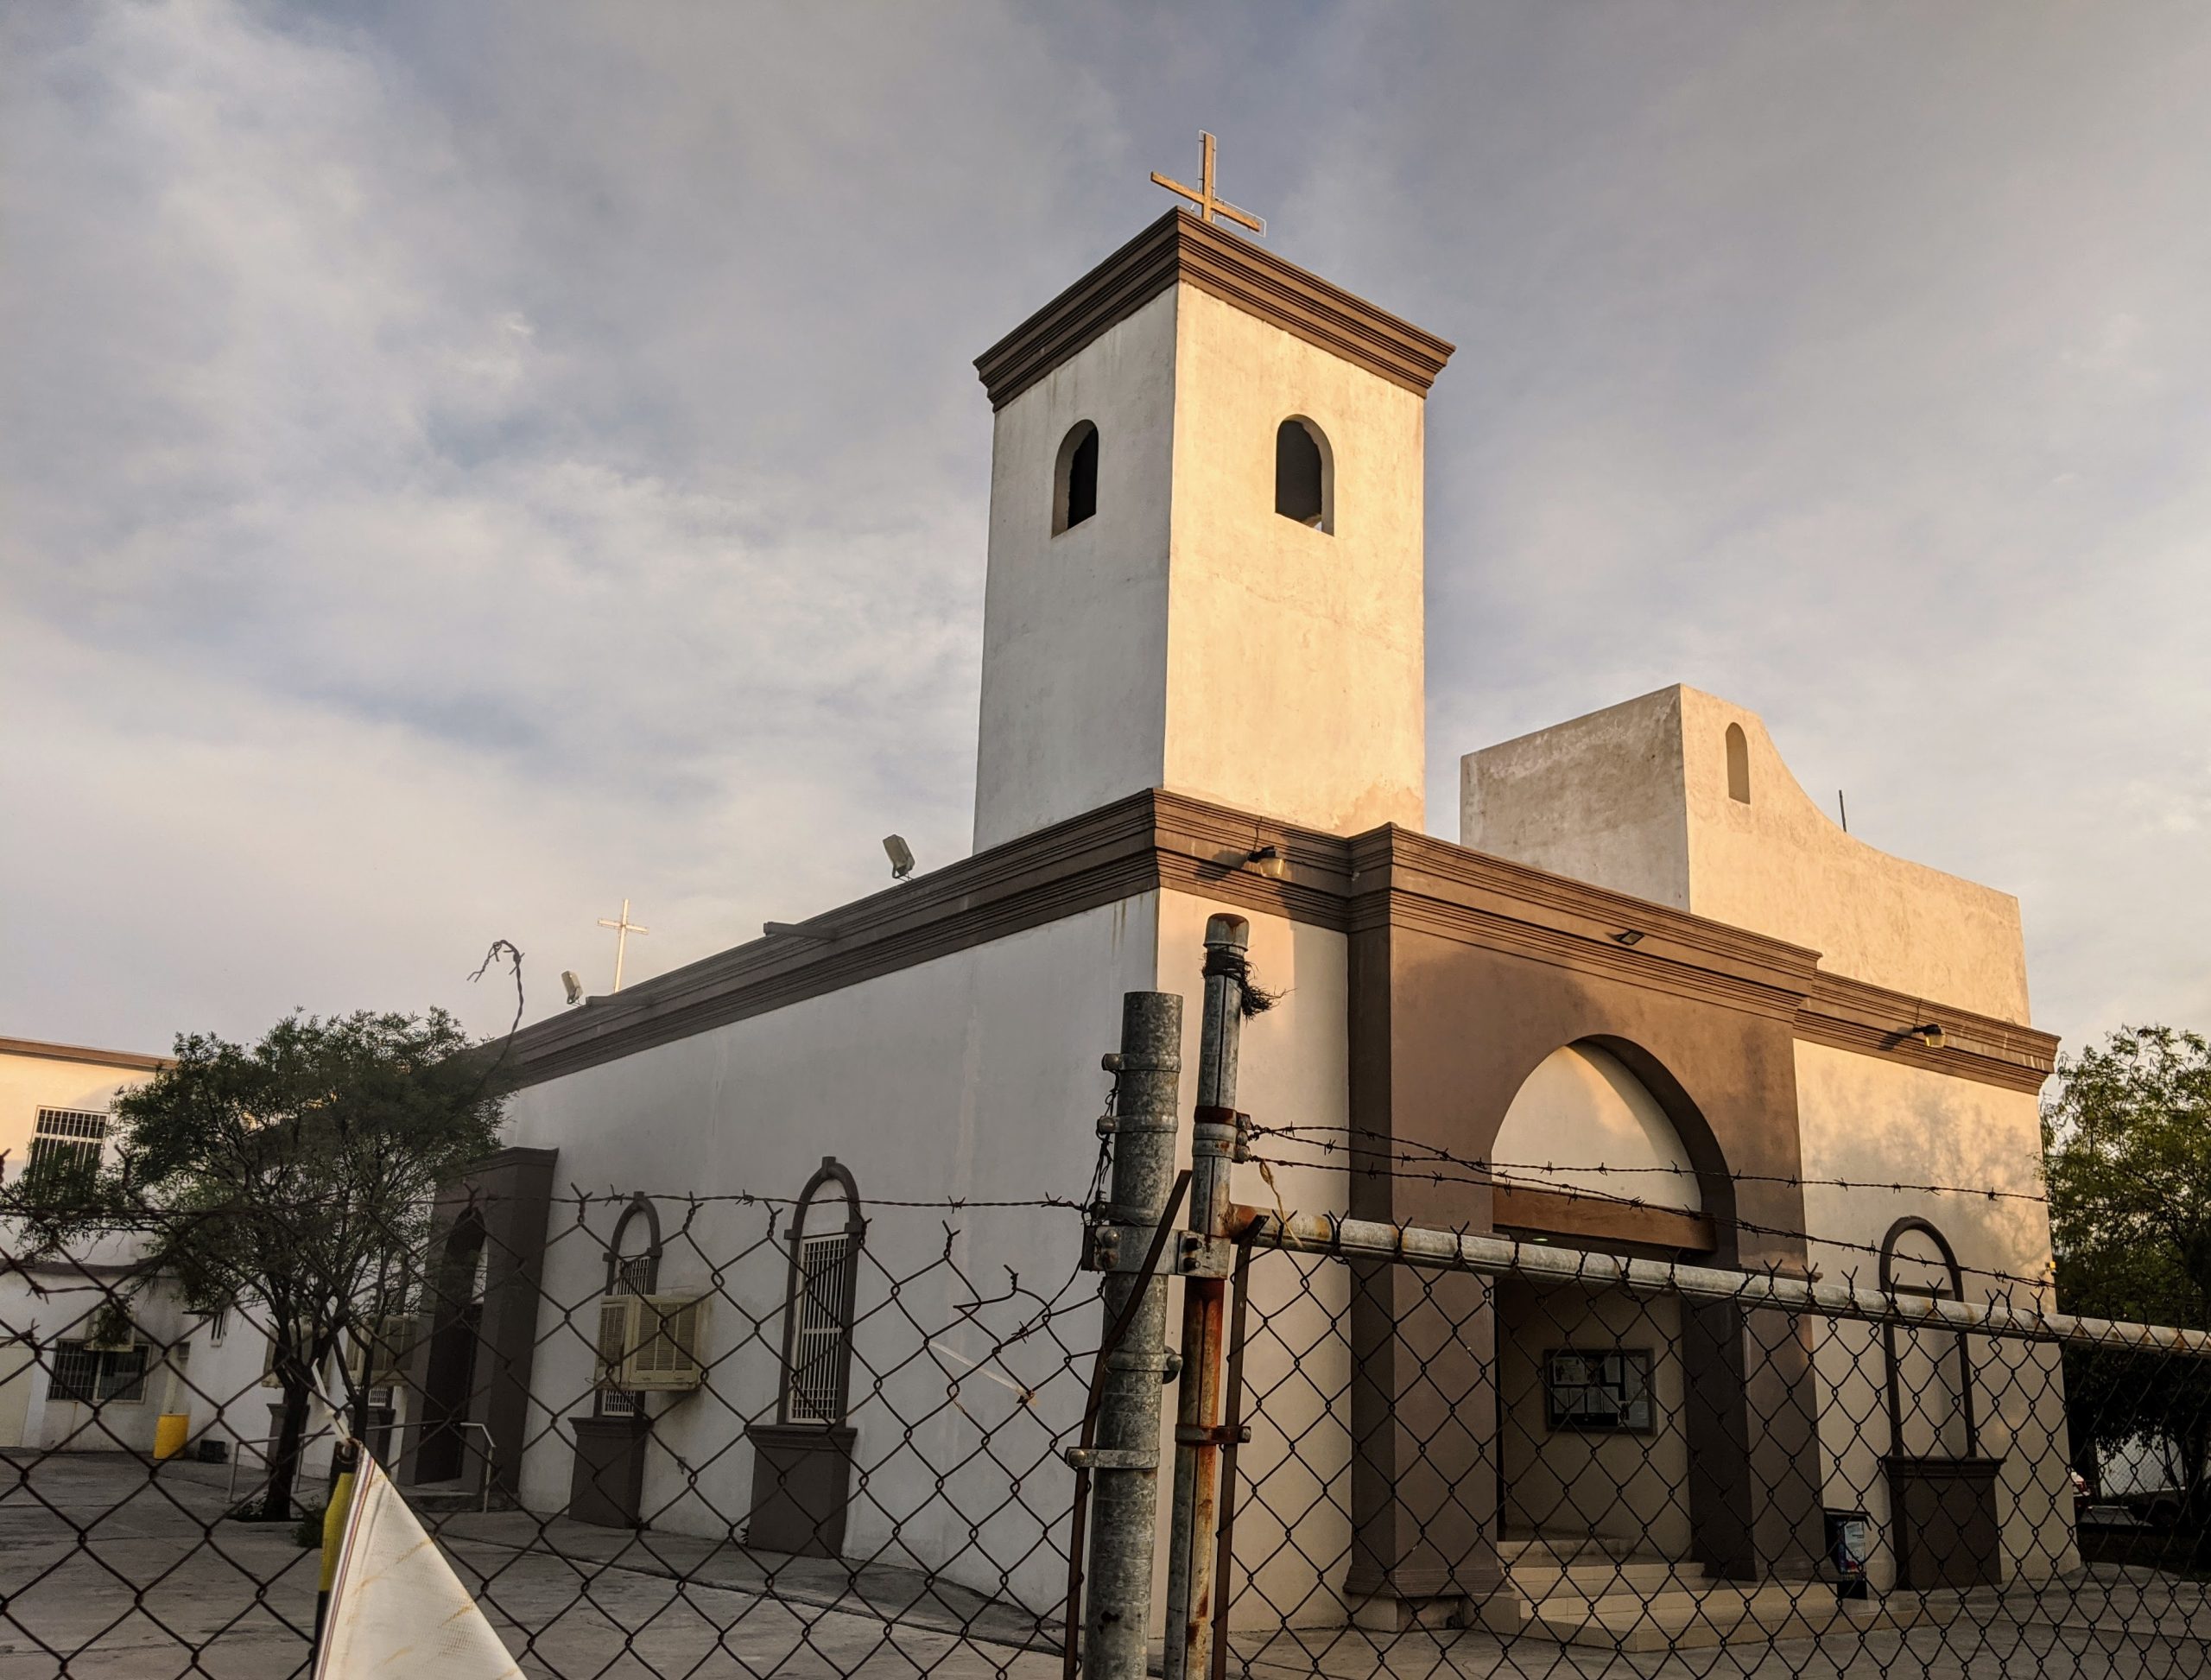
(573, 986)
(1628, 936)
(901, 856)
(1931, 1035)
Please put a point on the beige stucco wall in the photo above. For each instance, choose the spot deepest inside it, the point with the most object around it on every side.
(1598, 799)
(1186, 635)
(1583, 1122)
(1636, 797)
(1631, 1488)
(30, 1082)
(1295, 656)
(1296, 1071)
(1865, 1118)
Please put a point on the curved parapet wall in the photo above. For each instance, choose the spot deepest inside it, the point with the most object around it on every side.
(1640, 797)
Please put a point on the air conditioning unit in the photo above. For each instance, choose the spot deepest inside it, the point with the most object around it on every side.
(651, 1343)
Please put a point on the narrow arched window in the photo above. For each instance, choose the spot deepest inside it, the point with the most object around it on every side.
(633, 1268)
(1930, 1378)
(1738, 764)
(1304, 475)
(1075, 479)
(827, 1231)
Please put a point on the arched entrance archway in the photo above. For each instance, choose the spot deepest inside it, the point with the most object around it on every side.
(1593, 1394)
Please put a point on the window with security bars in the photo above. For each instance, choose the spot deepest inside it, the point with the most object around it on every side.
(1604, 1390)
(67, 1139)
(98, 1376)
(633, 1268)
(825, 1267)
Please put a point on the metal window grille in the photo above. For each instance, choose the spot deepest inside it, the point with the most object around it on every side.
(822, 1333)
(98, 1376)
(68, 1139)
(1598, 1389)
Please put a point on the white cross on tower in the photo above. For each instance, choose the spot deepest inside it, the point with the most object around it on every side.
(624, 927)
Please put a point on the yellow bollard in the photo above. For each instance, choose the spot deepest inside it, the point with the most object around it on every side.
(170, 1430)
(334, 1536)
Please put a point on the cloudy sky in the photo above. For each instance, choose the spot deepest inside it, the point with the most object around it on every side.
(462, 465)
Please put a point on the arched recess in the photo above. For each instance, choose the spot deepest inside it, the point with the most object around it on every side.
(1074, 478)
(824, 1282)
(1305, 474)
(633, 1253)
(1929, 1372)
(1739, 765)
(1598, 1124)
(450, 1376)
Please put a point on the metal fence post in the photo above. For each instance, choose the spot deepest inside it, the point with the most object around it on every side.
(1117, 1619)
(1193, 1594)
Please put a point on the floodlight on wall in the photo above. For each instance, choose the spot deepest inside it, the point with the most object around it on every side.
(1628, 936)
(572, 986)
(1931, 1035)
(901, 856)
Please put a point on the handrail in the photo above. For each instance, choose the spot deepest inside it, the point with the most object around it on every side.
(264, 1445)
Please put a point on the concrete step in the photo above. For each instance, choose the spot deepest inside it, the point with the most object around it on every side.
(1716, 1613)
(1589, 1581)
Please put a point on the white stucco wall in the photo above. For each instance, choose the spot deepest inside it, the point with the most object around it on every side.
(973, 1075)
(1636, 798)
(1864, 1119)
(1187, 636)
(1074, 639)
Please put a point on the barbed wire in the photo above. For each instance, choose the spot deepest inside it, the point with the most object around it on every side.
(1291, 1133)
(1571, 1192)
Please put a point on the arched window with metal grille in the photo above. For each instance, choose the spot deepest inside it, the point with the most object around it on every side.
(826, 1232)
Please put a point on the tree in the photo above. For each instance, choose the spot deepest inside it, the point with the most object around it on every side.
(2126, 1144)
(295, 1178)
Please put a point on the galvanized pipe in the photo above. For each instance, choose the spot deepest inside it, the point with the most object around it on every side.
(1192, 1590)
(1450, 1251)
(1117, 1614)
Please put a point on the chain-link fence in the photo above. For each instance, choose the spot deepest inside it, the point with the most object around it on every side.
(733, 1435)
(669, 1436)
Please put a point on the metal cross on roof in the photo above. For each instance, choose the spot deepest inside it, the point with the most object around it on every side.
(624, 927)
(1209, 207)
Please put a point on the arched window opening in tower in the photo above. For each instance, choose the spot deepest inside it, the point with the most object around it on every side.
(1304, 475)
(1738, 764)
(1074, 479)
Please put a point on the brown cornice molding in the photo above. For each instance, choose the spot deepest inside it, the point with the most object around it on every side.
(1180, 247)
(1096, 858)
(1872, 1020)
(1390, 877)
(131, 1059)
(1415, 881)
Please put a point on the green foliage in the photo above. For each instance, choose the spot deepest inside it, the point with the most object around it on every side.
(295, 1178)
(2126, 1146)
(306, 1533)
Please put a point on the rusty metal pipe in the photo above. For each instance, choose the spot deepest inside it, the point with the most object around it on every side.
(1192, 1588)
(1451, 1250)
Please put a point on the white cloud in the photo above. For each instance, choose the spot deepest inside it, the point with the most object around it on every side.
(465, 464)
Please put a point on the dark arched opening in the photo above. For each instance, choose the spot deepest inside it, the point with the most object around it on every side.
(1304, 474)
(1074, 478)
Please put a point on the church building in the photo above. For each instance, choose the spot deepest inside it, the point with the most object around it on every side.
(1646, 950)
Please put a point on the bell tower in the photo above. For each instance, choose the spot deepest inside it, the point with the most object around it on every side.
(1205, 543)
